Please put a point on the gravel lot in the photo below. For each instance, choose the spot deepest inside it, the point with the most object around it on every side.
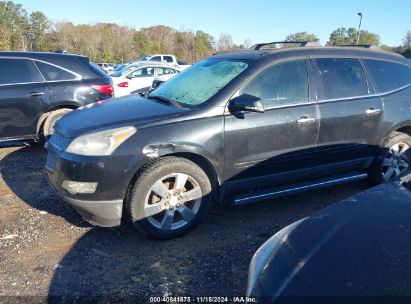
(47, 250)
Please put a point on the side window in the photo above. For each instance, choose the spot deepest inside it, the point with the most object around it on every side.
(388, 76)
(168, 59)
(165, 71)
(18, 71)
(340, 78)
(53, 73)
(144, 72)
(282, 84)
(156, 58)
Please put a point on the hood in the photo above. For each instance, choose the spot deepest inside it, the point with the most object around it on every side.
(129, 110)
(358, 247)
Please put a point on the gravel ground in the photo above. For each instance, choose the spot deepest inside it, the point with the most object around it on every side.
(47, 250)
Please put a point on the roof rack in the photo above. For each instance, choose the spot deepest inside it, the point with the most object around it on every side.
(367, 46)
(259, 46)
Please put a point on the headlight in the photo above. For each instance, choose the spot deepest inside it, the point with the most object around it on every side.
(266, 250)
(100, 143)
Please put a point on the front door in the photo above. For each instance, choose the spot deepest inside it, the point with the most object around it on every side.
(274, 147)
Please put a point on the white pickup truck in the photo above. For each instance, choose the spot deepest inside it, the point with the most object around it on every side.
(171, 59)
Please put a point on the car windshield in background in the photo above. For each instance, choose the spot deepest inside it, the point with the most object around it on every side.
(199, 83)
(123, 71)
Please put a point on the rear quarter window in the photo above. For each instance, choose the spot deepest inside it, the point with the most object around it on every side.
(14, 71)
(388, 76)
(54, 73)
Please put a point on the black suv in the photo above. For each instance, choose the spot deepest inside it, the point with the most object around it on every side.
(238, 127)
(36, 89)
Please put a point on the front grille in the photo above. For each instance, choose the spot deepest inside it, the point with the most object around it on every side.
(60, 141)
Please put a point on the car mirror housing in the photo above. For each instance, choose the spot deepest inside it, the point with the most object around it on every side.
(246, 103)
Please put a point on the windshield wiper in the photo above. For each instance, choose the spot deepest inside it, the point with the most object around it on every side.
(172, 102)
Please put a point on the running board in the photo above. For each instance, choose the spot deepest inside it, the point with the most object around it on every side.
(296, 188)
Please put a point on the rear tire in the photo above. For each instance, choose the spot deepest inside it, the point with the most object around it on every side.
(388, 164)
(169, 198)
(48, 128)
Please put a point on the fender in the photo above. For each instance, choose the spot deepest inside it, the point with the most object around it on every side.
(159, 150)
(56, 106)
(396, 127)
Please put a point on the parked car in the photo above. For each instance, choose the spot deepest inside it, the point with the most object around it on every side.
(139, 76)
(237, 127)
(355, 251)
(106, 66)
(170, 59)
(36, 89)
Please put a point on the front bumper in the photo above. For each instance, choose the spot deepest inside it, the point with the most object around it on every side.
(112, 175)
(103, 213)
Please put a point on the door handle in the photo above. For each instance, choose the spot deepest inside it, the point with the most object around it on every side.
(35, 94)
(372, 111)
(305, 120)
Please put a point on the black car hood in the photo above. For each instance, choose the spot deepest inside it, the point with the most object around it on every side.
(358, 247)
(130, 110)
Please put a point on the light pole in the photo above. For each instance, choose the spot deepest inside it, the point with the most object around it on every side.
(359, 28)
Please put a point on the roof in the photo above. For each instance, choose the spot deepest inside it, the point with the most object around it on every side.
(75, 63)
(269, 53)
(42, 55)
(153, 63)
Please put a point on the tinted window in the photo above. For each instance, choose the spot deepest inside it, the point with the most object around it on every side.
(168, 58)
(53, 73)
(156, 58)
(165, 71)
(281, 84)
(18, 71)
(388, 76)
(340, 78)
(145, 72)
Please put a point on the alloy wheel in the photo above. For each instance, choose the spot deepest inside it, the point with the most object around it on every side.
(173, 201)
(393, 165)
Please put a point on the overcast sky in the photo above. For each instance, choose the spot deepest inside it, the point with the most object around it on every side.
(257, 20)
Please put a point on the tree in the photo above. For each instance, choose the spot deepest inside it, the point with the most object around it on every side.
(38, 23)
(302, 36)
(343, 35)
(247, 43)
(203, 45)
(407, 39)
(14, 26)
(225, 42)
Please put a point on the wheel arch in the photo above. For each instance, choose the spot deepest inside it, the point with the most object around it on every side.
(202, 161)
(43, 117)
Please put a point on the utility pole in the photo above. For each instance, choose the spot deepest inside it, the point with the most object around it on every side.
(359, 28)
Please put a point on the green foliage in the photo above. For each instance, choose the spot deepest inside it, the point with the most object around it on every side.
(343, 35)
(302, 36)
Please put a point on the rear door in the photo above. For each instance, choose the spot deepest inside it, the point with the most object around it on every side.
(141, 79)
(23, 97)
(351, 114)
(274, 147)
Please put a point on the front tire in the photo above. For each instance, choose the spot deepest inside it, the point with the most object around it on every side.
(169, 198)
(389, 165)
(48, 128)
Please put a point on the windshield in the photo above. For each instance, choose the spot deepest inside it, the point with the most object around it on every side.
(123, 71)
(144, 58)
(199, 83)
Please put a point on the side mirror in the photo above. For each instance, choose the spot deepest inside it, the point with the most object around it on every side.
(247, 103)
(129, 76)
